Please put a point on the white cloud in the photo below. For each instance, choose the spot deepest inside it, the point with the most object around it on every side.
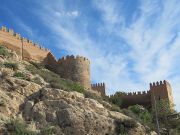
(73, 14)
(110, 14)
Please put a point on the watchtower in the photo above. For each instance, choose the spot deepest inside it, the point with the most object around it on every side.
(76, 69)
(161, 90)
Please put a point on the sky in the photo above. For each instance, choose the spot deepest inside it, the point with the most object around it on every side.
(130, 43)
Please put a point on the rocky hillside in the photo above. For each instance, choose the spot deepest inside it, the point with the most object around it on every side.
(35, 101)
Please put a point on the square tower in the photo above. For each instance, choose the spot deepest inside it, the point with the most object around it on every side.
(161, 91)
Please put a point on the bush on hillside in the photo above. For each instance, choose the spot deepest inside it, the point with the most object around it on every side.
(142, 113)
(4, 51)
(21, 76)
(37, 65)
(92, 95)
(174, 125)
(122, 127)
(115, 108)
(11, 65)
(116, 98)
(47, 131)
(18, 127)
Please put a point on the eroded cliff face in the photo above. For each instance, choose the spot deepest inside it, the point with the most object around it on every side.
(69, 113)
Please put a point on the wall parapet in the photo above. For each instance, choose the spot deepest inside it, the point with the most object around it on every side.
(99, 87)
(19, 37)
(72, 57)
(159, 83)
(135, 93)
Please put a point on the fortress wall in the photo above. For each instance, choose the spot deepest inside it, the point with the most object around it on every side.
(36, 52)
(99, 87)
(76, 69)
(141, 98)
(8, 40)
(13, 41)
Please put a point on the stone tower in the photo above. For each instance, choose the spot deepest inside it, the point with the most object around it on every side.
(161, 90)
(76, 69)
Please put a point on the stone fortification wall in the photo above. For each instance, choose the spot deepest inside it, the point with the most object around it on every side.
(76, 69)
(24, 48)
(99, 87)
(141, 98)
(161, 90)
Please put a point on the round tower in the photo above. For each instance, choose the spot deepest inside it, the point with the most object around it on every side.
(76, 69)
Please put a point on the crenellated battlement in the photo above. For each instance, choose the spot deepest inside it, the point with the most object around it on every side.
(159, 83)
(24, 40)
(100, 87)
(135, 93)
(72, 57)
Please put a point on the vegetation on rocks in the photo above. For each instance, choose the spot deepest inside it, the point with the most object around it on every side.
(53, 79)
(11, 65)
(18, 127)
(4, 52)
(21, 75)
(123, 127)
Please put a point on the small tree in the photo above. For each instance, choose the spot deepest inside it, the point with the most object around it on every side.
(116, 98)
(164, 109)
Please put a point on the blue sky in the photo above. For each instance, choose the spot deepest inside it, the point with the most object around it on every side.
(130, 42)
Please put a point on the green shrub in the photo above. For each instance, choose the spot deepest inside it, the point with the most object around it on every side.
(143, 114)
(11, 65)
(129, 113)
(19, 74)
(116, 98)
(18, 127)
(122, 127)
(115, 108)
(89, 94)
(135, 109)
(174, 125)
(48, 131)
(146, 117)
(4, 51)
(37, 65)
